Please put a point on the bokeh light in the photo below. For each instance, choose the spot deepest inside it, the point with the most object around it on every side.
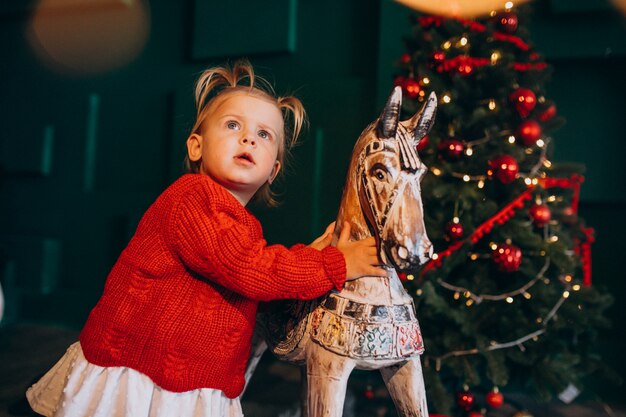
(460, 8)
(87, 38)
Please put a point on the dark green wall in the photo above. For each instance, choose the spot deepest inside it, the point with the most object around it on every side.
(83, 156)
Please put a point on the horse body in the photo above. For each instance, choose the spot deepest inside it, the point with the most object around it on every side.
(370, 324)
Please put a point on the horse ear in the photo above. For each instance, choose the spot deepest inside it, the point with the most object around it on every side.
(388, 120)
(423, 121)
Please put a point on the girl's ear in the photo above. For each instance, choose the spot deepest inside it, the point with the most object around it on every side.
(274, 172)
(194, 147)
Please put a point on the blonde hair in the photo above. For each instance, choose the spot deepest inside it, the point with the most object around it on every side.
(216, 83)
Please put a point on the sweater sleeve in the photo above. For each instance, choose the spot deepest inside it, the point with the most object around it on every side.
(222, 245)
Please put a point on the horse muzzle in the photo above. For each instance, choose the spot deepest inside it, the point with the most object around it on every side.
(405, 258)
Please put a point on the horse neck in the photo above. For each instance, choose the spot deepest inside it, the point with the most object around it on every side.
(370, 290)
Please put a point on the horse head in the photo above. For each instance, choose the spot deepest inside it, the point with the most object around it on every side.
(382, 193)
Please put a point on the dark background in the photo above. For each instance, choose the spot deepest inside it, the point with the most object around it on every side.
(92, 127)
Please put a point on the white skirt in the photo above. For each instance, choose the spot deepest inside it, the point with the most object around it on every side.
(73, 387)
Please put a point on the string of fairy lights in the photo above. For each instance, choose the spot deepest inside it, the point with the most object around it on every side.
(474, 298)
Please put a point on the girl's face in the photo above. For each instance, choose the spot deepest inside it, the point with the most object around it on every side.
(238, 143)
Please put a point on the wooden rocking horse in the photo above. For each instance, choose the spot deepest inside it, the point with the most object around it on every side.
(371, 323)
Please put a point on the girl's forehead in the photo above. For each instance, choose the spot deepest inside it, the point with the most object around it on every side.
(249, 103)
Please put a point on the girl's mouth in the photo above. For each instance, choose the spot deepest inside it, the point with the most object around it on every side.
(245, 156)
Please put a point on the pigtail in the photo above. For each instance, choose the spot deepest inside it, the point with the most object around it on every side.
(294, 116)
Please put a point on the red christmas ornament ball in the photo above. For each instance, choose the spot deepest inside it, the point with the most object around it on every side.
(506, 22)
(569, 215)
(402, 276)
(423, 144)
(454, 231)
(465, 400)
(504, 168)
(548, 113)
(475, 414)
(528, 132)
(540, 214)
(405, 58)
(494, 398)
(369, 392)
(411, 88)
(507, 257)
(451, 149)
(524, 101)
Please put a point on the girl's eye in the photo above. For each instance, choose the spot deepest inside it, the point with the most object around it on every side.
(232, 125)
(263, 134)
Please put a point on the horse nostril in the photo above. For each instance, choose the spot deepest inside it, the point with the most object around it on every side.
(402, 252)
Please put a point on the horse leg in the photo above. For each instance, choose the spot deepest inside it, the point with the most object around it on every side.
(405, 383)
(258, 347)
(327, 378)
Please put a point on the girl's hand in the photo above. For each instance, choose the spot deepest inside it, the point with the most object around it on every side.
(324, 240)
(361, 256)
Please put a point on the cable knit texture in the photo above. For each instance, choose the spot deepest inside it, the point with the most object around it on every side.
(180, 303)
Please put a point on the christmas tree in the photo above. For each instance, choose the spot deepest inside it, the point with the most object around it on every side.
(507, 301)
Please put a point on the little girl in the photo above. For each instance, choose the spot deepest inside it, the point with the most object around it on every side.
(170, 335)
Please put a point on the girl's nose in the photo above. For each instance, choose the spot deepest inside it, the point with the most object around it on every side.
(246, 140)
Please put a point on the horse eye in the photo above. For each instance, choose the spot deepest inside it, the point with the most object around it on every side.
(380, 174)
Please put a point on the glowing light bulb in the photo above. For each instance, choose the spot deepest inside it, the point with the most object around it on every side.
(446, 98)
(469, 151)
(511, 139)
(425, 80)
(565, 294)
(481, 184)
(540, 143)
(466, 178)
(492, 104)
(509, 300)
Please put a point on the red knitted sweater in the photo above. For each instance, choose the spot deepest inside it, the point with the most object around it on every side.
(180, 303)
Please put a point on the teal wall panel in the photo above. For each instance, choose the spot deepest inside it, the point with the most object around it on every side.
(31, 264)
(28, 153)
(243, 27)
